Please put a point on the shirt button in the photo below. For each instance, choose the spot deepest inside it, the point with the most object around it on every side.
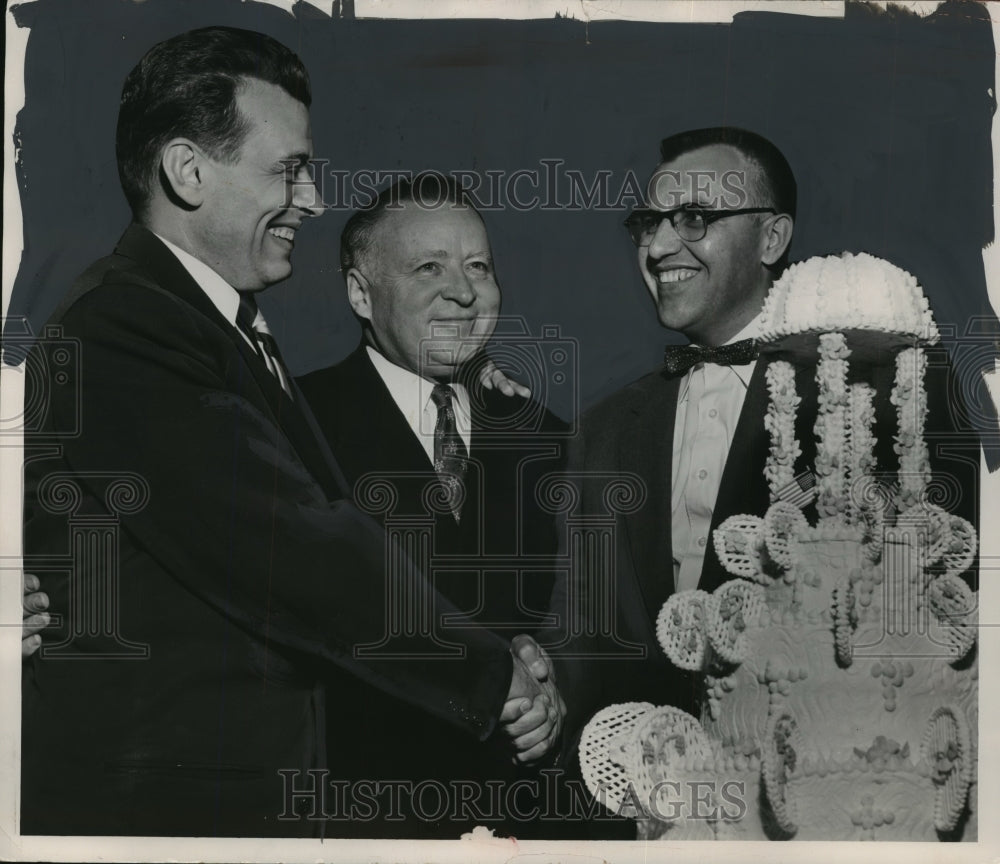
(713, 413)
(702, 541)
(702, 474)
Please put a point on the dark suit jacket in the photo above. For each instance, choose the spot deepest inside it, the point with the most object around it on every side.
(632, 433)
(514, 444)
(200, 499)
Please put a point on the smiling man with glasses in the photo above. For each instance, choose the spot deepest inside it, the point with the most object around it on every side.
(709, 267)
(711, 240)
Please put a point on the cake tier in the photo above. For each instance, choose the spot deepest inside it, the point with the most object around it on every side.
(888, 690)
(880, 664)
(831, 803)
(841, 692)
(844, 292)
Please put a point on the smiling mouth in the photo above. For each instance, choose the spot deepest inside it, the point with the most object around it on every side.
(282, 233)
(678, 274)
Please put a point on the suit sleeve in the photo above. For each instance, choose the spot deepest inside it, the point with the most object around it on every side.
(235, 516)
(581, 679)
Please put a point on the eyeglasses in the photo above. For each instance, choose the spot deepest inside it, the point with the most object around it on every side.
(690, 223)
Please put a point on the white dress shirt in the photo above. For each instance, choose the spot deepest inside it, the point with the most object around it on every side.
(224, 296)
(708, 407)
(226, 299)
(412, 395)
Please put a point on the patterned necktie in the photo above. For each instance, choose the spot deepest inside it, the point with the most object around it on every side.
(680, 358)
(255, 329)
(450, 455)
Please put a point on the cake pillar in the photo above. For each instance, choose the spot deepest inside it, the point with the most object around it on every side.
(910, 398)
(860, 450)
(832, 429)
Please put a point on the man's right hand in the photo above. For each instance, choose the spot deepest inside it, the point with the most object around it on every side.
(534, 711)
(35, 616)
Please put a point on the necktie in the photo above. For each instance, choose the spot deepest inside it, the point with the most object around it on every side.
(680, 358)
(450, 455)
(251, 322)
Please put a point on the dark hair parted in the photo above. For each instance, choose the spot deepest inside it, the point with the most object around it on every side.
(776, 187)
(186, 87)
(429, 190)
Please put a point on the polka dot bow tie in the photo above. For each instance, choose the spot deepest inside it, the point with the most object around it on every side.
(680, 358)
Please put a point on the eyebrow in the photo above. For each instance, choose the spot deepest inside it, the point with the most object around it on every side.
(293, 158)
(444, 253)
(430, 253)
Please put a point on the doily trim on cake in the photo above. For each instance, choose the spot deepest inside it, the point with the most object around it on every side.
(953, 788)
(682, 628)
(603, 751)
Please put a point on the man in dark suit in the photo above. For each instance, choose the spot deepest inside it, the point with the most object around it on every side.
(421, 280)
(690, 437)
(715, 233)
(192, 528)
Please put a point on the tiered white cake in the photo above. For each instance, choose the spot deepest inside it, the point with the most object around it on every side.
(839, 664)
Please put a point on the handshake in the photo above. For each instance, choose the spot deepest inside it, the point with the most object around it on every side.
(533, 714)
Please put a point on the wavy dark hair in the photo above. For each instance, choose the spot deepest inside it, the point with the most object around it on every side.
(187, 87)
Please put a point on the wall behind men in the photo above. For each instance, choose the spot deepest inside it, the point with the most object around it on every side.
(885, 118)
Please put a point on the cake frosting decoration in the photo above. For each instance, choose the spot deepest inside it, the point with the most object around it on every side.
(911, 410)
(780, 424)
(839, 661)
(847, 292)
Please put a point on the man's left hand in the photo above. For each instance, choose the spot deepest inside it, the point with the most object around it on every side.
(36, 618)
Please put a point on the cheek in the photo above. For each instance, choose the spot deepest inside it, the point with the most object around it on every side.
(489, 300)
(647, 277)
(405, 319)
(640, 257)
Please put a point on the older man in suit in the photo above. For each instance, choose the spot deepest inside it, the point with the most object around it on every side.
(214, 579)
(407, 409)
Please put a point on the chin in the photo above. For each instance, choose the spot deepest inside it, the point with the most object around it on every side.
(278, 272)
(669, 319)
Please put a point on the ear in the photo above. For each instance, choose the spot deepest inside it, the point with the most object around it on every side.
(777, 236)
(186, 170)
(359, 294)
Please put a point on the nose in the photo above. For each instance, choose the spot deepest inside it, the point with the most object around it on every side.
(460, 289)
(306, 195)
(665, 240)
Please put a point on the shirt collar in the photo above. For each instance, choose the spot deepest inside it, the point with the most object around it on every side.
(412, 393)
(742, 372)
(224, 297)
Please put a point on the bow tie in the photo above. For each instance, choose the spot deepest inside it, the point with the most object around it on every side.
(680, 358)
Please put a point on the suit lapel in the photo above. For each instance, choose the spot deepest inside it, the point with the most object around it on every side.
(308, 441)
(372, 433)
(743, 488)
(389, 436)
(646, 449)
(293, 416)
